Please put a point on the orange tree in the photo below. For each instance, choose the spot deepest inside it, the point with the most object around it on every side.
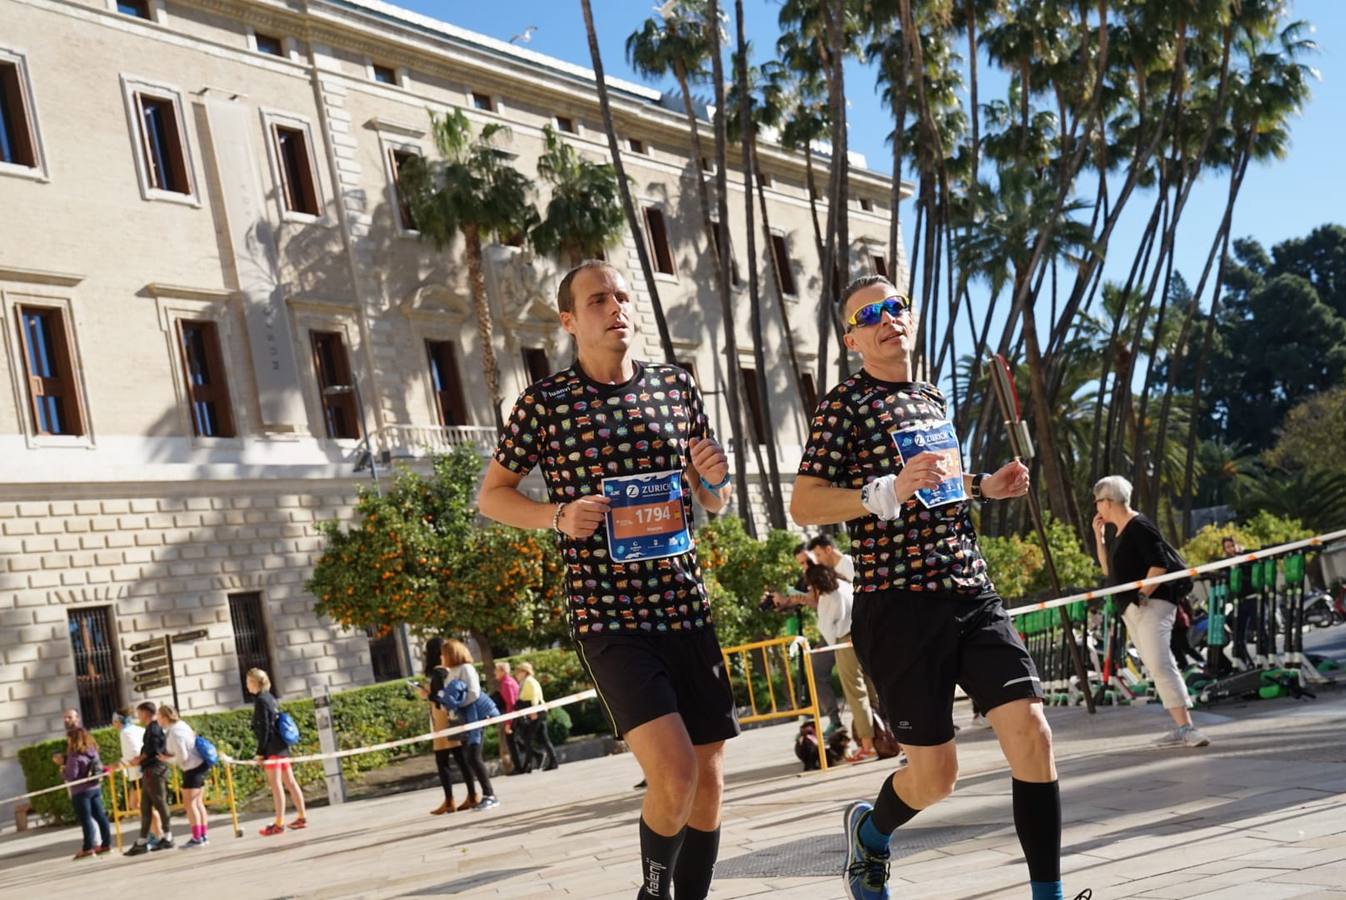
(418, 554)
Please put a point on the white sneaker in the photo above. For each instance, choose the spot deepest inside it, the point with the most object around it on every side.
(1171, 739)
(1191, 737)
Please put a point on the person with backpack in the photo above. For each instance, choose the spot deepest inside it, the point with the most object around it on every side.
(273, 752)
(183, 749)
(1137, 551)
(441, 718)
(155, 816)
(462, 692)
(80, 761)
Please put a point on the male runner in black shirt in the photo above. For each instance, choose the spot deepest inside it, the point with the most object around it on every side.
(883, 458)
(624, 445)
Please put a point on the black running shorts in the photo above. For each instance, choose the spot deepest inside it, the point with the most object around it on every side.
(917, 646)
(642, 677)
(195, 778)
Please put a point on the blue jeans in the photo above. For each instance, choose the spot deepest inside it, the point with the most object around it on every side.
(89, 809)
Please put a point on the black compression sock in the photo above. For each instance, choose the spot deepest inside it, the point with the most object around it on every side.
(890, 813)
(1037, 819)
(696, 863)
(658, 856)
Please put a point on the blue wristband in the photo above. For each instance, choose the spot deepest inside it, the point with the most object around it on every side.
(715, 487)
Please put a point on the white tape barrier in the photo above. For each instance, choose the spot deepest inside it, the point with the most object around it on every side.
(355, 751)
(420, 738)
(1315, 541)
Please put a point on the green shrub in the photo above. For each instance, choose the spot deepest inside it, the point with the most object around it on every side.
(558, 725)
(1262, 530)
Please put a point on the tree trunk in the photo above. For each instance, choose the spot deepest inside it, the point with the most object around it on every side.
(485, 329)
(694, 134)
(790, 348)
(774, 490)
(733, 377)
(628, 206)
(834, 15)
(1058, 491)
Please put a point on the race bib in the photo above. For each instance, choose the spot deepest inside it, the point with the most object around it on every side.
(645, 516)
(940, 438)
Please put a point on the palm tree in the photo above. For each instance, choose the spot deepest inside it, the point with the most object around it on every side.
(628, 206)
(584, 215)
(471, 189)
(748, 143)
(678, 44)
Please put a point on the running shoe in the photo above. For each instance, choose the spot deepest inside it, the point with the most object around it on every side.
(1191, 737)
(487, 802)
(139, 848)
(161, 844)
(298, 823)
(866, 873)
(194, 843)
(272, 830)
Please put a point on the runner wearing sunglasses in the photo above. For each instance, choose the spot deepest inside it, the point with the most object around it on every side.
(883, 458)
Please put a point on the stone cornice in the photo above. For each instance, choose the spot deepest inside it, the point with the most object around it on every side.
(39, 276)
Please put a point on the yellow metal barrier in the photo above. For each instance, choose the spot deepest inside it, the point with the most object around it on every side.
(743, 661)
(219, 792)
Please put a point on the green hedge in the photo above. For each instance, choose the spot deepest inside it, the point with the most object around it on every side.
(361, 717)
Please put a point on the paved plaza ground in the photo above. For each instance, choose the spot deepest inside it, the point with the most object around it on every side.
(1259, 815)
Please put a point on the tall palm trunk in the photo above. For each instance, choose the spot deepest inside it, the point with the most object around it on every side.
(791, 350)
(774, 490)
(899, 127)
(628, 206)
(733, 379)
(834, 12)
(703, 198)
(485, 329)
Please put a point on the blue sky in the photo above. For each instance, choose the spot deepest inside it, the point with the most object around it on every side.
(1284, 199)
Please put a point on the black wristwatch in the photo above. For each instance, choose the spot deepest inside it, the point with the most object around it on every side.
(976, 487)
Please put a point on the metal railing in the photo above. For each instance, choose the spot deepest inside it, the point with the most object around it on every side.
(423, 440)
(741, 664)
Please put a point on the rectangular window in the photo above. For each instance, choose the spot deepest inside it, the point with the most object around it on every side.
(399, 159)
(637, 145)
(93, 643)
(483, 101)
(272, 46)
(810, 394)
(333, 368)
(866, 204)
(385, 657)
(764, 179)
(138, 8)
(162, 144)
(207, 390)
(298, 180)
(446, 382)
(707, 165)
(880, 264)
(780, 255)
(663, 257)
(718, 233)
(251, 643)
(384, 74)
(51, 377)
(754, 403)
(17, 146)
(566, 124)
(536, 364)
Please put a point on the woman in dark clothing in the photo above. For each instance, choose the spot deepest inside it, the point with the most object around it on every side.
(445, 748)
(273, 753)
(80, 761)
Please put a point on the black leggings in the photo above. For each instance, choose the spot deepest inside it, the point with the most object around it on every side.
(442, 758)
(474, 769)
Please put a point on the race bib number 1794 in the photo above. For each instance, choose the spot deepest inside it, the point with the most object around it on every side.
(645, 516)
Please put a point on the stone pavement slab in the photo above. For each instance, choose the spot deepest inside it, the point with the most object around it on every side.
(1259, 814)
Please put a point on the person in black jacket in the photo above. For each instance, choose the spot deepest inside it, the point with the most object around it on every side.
(1139, 551)
(153, 784)
(273, 753)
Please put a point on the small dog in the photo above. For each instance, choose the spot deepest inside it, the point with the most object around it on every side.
(806, 746)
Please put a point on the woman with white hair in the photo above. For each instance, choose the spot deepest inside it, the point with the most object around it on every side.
(1138, 551)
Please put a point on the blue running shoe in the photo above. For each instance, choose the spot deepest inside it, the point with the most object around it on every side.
(866, 873)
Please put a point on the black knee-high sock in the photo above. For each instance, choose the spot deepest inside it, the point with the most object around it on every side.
(1037, 819)
(658, 857)
(889, 814)
(696, 863)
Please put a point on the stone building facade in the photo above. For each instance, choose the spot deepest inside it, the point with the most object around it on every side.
(211, 303)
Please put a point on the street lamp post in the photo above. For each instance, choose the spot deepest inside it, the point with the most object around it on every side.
(338, 390)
